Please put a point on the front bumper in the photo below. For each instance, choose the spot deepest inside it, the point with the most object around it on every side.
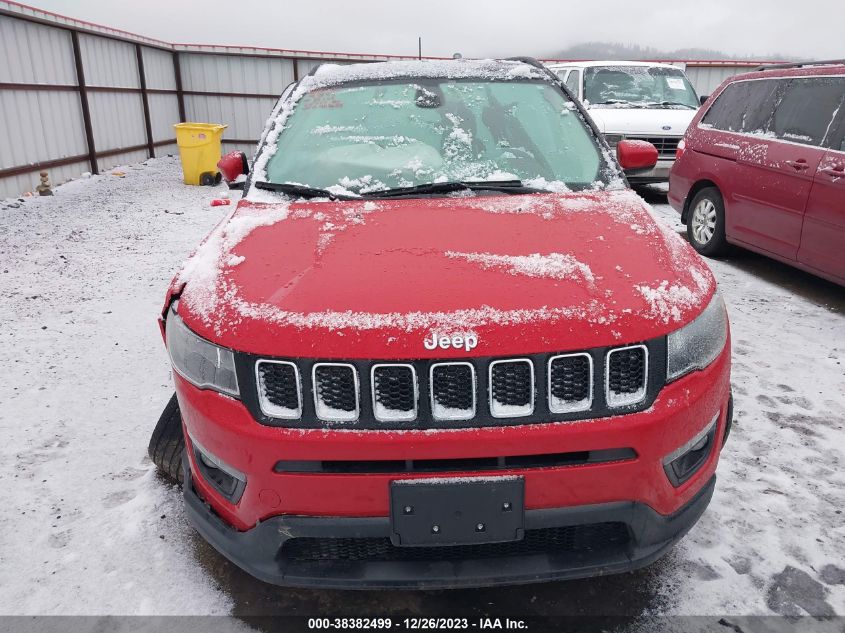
(224, 427)
(659, 173)
(261, 550)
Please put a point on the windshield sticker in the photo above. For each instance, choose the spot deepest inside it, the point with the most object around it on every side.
(321, 99)
(675, 83)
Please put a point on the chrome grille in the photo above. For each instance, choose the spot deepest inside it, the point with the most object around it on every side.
(336, 392)
(394, 392)
(626, 375)
(666, 145)
(453, 391)
(511, 388)
(570, 382)
(279, 389)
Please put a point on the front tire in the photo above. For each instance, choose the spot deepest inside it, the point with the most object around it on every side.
(706, 223)
(168, 443)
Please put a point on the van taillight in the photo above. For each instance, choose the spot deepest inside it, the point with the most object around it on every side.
(682, 144)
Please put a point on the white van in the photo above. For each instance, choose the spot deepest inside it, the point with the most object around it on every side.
(635, 100)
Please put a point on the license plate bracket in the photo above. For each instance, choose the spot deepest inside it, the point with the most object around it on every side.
(439, 512)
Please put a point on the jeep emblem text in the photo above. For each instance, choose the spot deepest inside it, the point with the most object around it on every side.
(467, 341)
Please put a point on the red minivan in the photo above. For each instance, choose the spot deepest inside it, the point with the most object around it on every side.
(762, 166)
(441, 343)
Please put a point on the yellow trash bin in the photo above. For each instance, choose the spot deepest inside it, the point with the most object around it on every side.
(199, 150)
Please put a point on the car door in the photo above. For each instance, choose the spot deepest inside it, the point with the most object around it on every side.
(777, 162)
(823, 234)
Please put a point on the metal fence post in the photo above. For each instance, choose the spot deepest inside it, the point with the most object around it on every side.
(83, 98)
(180, 93)
(142, 77)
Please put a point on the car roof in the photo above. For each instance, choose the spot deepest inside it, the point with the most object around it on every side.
(494, 69)
(588, 64)
(807, 69)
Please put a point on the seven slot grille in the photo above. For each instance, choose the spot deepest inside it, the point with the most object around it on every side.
(450, 392)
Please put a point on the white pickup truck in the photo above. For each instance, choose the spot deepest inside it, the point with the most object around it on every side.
(635, 100)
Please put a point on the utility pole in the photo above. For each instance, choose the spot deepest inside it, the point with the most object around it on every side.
(419, 47)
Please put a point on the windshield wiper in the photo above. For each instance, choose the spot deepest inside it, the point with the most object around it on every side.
(613, 102)
(302, 191)
(508, 186)
(675, 103)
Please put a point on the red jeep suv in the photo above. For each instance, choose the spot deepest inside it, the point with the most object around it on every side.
(762, 166)
(441, 343)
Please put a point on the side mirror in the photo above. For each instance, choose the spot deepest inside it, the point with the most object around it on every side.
(636, 155)
(234, 168)
(703, 99)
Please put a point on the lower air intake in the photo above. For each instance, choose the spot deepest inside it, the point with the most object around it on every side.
(560, 540)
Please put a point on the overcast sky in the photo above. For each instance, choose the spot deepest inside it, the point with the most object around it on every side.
(809, 29)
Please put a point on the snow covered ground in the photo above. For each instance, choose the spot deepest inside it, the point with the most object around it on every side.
(87, 528)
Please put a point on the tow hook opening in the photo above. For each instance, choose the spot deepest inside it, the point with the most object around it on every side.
(684, 462)
(225, 479)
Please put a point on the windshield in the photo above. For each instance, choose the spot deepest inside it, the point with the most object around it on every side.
(367, 137)
(638, 86)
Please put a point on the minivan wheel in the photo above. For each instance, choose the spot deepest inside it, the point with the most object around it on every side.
(168, 443)
(706, 223)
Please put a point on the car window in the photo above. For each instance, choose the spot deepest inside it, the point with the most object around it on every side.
(807, 109)
(562, 73)
(745, 106)
(573, 81)
(369, 136)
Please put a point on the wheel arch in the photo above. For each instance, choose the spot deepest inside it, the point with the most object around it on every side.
(698, 186)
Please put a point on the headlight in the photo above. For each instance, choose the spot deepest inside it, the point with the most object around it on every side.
(198, 361)
(698, 344)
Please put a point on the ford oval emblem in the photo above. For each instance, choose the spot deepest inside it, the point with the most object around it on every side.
(667, 127)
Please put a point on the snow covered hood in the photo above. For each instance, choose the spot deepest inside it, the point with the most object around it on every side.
(372, 279)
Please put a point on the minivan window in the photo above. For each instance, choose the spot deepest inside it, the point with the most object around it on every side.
(370, 136)
(807, 109)
(835, 139)
(638, 87)
(745, 106)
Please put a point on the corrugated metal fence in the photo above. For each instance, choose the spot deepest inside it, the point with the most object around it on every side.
(77, 97)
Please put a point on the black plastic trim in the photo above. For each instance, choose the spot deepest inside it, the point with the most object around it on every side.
(470, 464)
(671, 469)
(257, 551)
(237, 490)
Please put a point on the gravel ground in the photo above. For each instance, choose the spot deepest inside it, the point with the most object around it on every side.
(89, 529)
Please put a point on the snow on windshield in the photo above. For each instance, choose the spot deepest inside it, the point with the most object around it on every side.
(627, 86)
(424, 122)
